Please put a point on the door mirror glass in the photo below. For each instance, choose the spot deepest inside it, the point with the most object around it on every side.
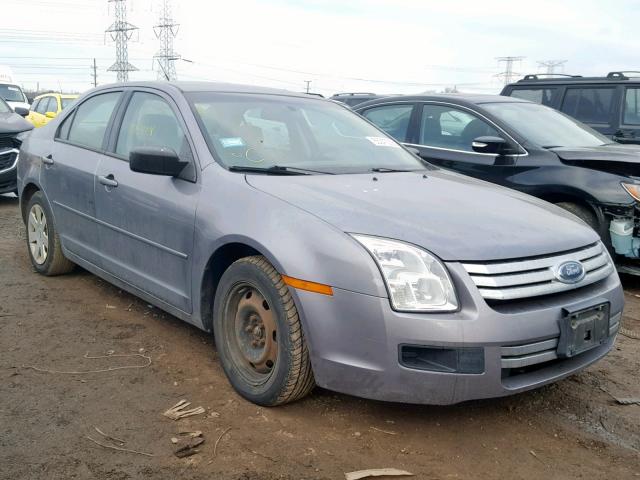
(156, 161)
(50, 114)
(23, 112)
(493, 145)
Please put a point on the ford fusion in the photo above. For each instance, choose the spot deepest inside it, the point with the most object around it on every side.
(316, 249)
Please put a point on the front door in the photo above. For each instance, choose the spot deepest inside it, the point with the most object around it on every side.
(445, 138)
(68, 173)
(146, 222)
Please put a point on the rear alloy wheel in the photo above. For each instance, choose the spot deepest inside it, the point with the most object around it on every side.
(43, 242)
(259, 336)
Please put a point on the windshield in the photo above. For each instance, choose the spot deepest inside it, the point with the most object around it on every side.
(265, 130)
(546, 127)
(12, 93)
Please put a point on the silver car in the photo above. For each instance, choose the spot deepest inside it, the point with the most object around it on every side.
(317, 249)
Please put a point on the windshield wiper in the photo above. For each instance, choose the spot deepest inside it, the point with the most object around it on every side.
(275, 170)
(389, 170)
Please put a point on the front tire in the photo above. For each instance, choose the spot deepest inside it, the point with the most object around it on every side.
(43, 242)
(259, 336)
(583, 213)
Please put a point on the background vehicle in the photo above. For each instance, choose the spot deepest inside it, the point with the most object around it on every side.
(610, 105)
(48, 106)
(12, 130)
(270, 217)
(353, 99)
(528, 147)
(13, 95)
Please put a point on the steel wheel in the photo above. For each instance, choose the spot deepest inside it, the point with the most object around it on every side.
(38, 234)
(251, 332)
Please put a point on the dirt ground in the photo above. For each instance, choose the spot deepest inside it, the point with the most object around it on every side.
(572, 429)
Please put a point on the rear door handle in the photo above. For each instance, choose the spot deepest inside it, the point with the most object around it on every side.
(48, 160)
(108, 180)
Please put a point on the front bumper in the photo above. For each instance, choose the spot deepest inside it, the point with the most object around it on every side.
(354, 342)
(8, 170)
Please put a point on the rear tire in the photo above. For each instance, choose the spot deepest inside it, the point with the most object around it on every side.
(259, 336)
(43, 242)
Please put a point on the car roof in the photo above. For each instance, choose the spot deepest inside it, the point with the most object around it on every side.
(457, 98)
(54, 94)
(192, 87)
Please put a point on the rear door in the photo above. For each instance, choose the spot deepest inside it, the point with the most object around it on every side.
(597, 106)
(69, 170)
(629, 131)
(146, 222)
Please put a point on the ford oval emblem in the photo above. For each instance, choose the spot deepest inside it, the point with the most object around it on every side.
(570, 272)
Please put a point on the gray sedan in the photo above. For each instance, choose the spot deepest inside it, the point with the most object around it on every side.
(317, 249)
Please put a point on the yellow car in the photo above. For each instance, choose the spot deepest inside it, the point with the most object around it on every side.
(48, 106)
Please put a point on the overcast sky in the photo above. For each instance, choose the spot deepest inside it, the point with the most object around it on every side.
(382, 46)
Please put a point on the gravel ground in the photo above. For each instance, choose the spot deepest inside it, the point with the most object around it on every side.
(573, 429)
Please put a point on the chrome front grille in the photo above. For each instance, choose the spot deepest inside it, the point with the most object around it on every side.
(517, 279)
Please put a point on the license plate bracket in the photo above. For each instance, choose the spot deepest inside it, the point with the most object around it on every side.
(583, 329)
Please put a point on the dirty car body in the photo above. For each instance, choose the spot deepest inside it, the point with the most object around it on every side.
(545, 153)
(411, 283)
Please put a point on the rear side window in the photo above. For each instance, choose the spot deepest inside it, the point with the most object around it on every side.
(393, 119)
(150, 122)
(589, 105)
(91, 120)
(543, 96)
(632, 106)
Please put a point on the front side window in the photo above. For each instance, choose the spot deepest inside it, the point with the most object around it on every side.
(35, 104)
(393, 119)
(544, 126)
(451, 128)
(543, 96)
(91, 120)
(632, 106)
(150, 122)
(590, 105)
(42, 106)
(52, 106)
(262, 131)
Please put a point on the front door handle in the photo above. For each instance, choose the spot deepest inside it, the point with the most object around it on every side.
(108, 180)
(48, 160)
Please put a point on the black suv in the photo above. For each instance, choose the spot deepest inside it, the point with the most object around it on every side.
(610, 104)
(353, 99)
(527, 147)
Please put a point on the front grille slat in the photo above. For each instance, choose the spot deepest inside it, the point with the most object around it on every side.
(517, 279)
(7, 141)
(7, 160)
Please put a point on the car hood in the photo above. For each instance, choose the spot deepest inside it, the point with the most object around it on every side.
(617, 158)
(13, 123)
(453, 216)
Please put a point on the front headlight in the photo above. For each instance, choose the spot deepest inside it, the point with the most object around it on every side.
(416, 280)
(633, 190)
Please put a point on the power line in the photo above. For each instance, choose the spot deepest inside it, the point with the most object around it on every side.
(550, 65)
(166, 30)
(121, 32)
(508, 75)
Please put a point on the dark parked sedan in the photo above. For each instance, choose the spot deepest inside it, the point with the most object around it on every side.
(12, 131)
(528, 147)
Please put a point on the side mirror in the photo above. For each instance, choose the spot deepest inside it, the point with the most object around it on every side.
(23, 112)
(156, 161)
(50, 114)
(494, 145)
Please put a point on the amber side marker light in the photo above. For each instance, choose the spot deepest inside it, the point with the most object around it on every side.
(308, 286)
